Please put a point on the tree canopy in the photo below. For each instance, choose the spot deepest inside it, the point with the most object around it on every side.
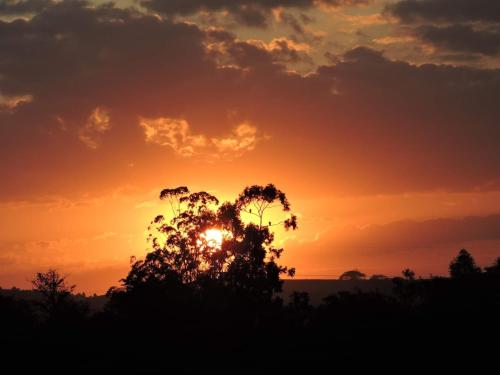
(463, 265)
(245, 260)
(352, 275)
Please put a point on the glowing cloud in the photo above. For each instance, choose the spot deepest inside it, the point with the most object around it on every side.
(97, 124)
(176, 134)
(244, 138)
(10, 103)
(173, 133)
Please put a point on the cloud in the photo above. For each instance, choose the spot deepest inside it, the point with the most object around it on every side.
(426, 246)
(445, 10)
(284, 50)
(366, 19)
(464, 26)
(176, 134)
(12, 102)
(248, 12)
(243, 138)
(388, 40)
(414, 112)
(364, 124)
(97, 124)
(21, 7)
(408, 235)
(229, 51)
(462, 38)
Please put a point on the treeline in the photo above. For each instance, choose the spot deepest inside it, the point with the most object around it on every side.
(157, 328)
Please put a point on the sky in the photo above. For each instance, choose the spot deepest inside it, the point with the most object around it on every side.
(378, 118)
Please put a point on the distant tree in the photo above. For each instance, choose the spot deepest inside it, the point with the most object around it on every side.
(494, 269)
(52, 286)
(463, 265)
(378, 277)
(352, 275)
(408, 274)
(57, 301)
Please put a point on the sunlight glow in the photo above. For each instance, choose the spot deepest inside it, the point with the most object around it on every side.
(213, 238)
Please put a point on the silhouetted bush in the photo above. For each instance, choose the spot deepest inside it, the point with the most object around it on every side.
(463, 265)
(352, 275)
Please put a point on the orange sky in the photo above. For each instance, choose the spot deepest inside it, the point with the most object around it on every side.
(379, 119)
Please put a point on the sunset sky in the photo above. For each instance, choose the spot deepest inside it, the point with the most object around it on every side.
(380, 119)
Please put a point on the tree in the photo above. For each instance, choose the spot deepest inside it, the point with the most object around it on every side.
(378, 277)
(463, 265)
(408, 274)
(262, 198)
(352, 275)
(494, 269)
(57, 302)
(244, 261)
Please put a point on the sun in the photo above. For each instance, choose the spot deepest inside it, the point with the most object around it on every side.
(213, 238)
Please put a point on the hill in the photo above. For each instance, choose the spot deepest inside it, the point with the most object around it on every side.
(317, 289)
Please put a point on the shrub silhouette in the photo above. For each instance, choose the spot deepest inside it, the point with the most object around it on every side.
(494, 269)
(57, 302)
(408, 274)
(463, 265)
(378, 277)
(352, 275)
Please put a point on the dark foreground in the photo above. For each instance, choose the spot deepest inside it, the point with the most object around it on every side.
(445, 322)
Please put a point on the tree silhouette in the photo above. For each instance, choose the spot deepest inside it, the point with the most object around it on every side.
(494, 269)
(408, 274)
(352, 275)
(245, 261)
(463, 265)
(378, 277)
(57, 302)
(255, 200)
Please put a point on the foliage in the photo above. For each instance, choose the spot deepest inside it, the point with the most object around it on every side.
(352, 275)
(246, 260)
(378, 277)
(463, 265)
(57, 296)
(408, 274)
(494, 269)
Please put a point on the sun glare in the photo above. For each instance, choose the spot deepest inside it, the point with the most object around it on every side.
(213, 238)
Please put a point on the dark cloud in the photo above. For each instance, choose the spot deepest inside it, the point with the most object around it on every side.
(365, 55)
(299, 27)
(446, 10)
(20, 7)
(247, 12)
(413, 235)
(49, 55)
(430, 120)
(255, 54)
(294, 23)
(462, 38)
(366, 124)
(465, 26)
